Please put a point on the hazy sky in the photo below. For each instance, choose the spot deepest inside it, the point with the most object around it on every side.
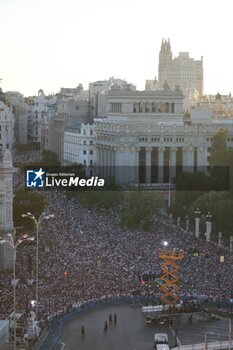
(53, 43)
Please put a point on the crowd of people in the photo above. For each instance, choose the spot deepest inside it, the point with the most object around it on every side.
(87, 255)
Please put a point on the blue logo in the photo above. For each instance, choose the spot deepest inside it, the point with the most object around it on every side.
(35, 178)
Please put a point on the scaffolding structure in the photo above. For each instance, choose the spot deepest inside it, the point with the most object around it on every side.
(169, 289)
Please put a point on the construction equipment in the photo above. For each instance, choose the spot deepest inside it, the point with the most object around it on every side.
(169, 289)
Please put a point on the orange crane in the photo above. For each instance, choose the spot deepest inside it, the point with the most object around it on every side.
(169, 289)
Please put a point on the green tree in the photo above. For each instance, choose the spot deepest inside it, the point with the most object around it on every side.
(221, 159)
(27, 201)
(189, 186)
(50, 158)
(220, 205)
(219, 155)
(139, 207)
(224, 219)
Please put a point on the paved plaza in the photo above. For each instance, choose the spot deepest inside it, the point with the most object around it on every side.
(132, 332)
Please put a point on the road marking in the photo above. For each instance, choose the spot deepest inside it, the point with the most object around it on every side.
(63, 345)
(174, 335)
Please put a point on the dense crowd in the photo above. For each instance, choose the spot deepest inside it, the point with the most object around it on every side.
(87, 255)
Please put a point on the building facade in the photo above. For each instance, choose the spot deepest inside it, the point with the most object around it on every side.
(79, 146)
(147, 139)
(182, 70)
(6, 127)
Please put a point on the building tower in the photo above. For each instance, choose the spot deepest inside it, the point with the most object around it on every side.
(6, 206)
(165, 60)
(182, 71)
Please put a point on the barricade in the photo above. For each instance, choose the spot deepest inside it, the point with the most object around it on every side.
(55, 324)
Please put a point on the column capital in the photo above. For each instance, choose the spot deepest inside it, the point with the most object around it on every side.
(149, 149)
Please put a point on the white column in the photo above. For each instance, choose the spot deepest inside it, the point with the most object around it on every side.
(201, 158)
(178, 221)
(185, 159)
(208, 230)
(197, 224)
(231, 243)
(170, 217)
(172, 162)
(107, 162)
(219, 239)
(148, 164)
(160, 164)
(121, 166)
(133, 165)
(111, 164)
(136, 162)
(190, 159)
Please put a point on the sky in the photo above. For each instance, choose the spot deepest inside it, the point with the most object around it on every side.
(49, 44)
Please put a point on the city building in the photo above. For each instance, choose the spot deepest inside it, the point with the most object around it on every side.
(6, 125)
(147, 139)
(182, 70)
(17, 101)
(79, 146)
(98, 92)
(71, 110)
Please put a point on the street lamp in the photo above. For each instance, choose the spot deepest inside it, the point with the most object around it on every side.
(197, 214)
(186, 222)
(208, 226)
(42, 217)
(14, 245)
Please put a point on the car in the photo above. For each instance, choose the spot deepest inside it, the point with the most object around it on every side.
(161, 341)
(161, 338)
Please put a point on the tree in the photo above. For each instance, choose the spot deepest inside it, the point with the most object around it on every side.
(224, 218)
(219, 155)
(189, 186)
(139, 208)
(220, 205)
(221, 159)
(50, 158)
(27, 201)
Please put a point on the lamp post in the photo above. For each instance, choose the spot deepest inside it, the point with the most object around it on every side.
(197, 214)
(14, 244)
(208, 226)
(42, 217)
(186, 222)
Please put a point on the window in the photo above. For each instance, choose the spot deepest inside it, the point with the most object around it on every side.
(91, 152)
(91, 162)
(91, 143)
(84, 152)
(84, 142)
(91, 132)
(84, 162)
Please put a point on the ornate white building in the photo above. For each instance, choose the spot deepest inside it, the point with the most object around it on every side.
(146, 138)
